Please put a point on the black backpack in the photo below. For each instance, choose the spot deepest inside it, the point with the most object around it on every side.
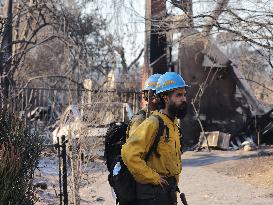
(123, 183)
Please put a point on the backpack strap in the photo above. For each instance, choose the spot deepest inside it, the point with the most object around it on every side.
(128, 129)
(141, 112)
(160, 131)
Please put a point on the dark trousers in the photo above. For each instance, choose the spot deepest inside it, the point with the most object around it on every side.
(149, 194)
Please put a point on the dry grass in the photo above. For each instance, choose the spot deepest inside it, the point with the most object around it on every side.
(256, 170)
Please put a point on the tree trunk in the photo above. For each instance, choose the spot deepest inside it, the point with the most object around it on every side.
(212, 19)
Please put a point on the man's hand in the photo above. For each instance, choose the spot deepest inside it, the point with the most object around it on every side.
(163, 182)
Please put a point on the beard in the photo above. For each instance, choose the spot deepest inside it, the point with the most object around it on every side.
(179, 111)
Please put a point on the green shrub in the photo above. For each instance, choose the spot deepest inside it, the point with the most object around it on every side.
(20, 148)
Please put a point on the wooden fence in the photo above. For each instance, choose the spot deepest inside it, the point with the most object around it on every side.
(48, 104)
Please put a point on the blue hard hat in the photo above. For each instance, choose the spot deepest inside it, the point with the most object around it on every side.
(151, 82)
(169, 81)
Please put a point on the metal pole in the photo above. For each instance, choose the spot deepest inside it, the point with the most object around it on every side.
(150, 98)
(75, 171)
(65, 193)
(60, 170)
(134, 102)
(259, 137)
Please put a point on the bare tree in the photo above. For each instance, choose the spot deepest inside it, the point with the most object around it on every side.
(51, 38)
(248, 21)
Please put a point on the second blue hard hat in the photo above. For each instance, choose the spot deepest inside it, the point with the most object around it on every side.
(151, 82)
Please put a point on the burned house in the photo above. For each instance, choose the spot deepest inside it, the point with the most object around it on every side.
(219, 96)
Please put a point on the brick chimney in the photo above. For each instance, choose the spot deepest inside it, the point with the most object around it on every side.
(155, 37)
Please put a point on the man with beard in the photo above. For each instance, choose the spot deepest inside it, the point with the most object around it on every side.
(157, 177)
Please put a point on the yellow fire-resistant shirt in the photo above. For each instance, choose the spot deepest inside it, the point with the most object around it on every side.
(137, 146)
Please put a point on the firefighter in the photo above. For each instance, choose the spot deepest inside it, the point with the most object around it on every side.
(157, 177)
(152, 102)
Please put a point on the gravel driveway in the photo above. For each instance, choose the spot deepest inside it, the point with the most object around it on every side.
(203, 185)
(199, 181)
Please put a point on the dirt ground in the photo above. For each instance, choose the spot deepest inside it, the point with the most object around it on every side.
(255, 167)
(224, 177)
(217, 177)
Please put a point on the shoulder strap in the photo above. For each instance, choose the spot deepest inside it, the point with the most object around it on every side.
(160, 130)
(141, 112)
(128, 129)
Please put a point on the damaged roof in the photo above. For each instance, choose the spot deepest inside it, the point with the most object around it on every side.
(213, 55)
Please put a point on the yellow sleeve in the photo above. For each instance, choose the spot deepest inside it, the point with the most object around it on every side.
(136, 148)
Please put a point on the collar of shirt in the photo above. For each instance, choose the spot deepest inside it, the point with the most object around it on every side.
(165, 117)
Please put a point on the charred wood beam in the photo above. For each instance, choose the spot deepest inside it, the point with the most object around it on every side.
(261, 124)
(256, 108)
(158, 48)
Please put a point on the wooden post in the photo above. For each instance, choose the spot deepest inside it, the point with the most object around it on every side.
(75, 171)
